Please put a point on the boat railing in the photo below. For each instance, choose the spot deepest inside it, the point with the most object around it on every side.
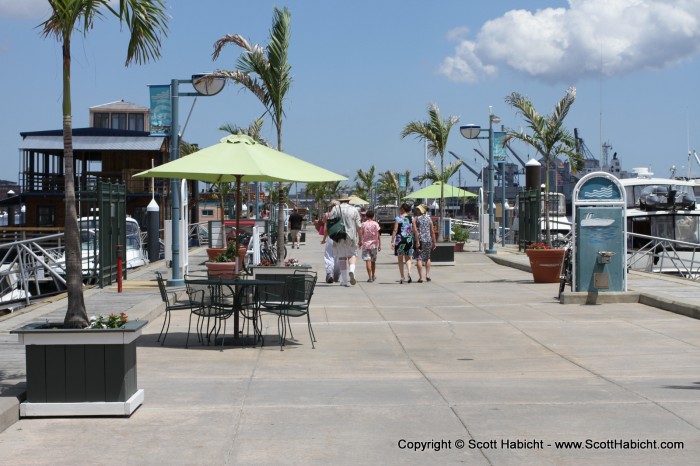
(32, 261)
(662, 255)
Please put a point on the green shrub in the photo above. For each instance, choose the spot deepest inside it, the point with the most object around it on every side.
(460, 234)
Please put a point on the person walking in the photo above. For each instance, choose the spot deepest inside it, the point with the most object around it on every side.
(346, 249)
(329, 259)
(295, 221)
(426, 235)
(370, 243)
(405, 239)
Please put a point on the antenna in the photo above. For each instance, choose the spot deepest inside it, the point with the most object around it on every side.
(687, 124)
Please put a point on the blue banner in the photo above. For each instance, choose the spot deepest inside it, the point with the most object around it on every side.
(499, 151)
(161, 111)
(402, 182)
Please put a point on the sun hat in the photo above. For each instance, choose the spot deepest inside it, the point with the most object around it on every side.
(344, 198)
(421, 209)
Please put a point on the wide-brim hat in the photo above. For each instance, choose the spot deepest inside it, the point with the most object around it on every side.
(333, 203)
(344, 199)
(421, 208)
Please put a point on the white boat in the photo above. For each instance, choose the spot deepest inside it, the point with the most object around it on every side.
(136, 255)
(10, 292)
(590, 221)
(559, 223)
(662, 208)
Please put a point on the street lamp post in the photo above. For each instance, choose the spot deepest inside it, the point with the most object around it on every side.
(472, 132)
(205, 85)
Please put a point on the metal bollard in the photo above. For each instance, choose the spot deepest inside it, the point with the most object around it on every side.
(119, 267)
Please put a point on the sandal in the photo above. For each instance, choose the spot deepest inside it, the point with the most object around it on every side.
(420, 280)
(401, 282)
(427, 279)
(409, 278)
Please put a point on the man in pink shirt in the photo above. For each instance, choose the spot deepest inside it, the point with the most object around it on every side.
(370, 243)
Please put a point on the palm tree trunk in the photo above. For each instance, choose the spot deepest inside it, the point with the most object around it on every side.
(441, 226)
(76, 315)
(280, 202)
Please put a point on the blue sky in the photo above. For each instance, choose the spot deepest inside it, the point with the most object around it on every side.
(363, 69)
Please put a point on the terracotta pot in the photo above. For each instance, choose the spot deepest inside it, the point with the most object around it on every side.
(459, 246)
(545, 264)
(223, 270)
(226, 270)
(213, 252)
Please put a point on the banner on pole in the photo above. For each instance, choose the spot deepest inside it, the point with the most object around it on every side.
(161, 112)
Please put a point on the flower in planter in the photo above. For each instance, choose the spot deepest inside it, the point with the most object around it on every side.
(112, 321)
(292, 262)
(265, 263)
(537, 245)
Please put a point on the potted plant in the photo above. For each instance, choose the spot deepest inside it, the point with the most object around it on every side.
(460, 236)
(545, 262)
(224, 264)
(81, 372)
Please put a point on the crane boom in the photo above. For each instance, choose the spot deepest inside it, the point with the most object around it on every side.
(478, 175)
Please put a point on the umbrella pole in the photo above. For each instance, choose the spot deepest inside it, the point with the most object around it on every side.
(238, 219)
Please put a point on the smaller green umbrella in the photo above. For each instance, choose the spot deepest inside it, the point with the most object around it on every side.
(433, 192)
(354, 200)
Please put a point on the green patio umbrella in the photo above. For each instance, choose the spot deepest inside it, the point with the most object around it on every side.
(241, 158)
(354, 200)
(433, 192)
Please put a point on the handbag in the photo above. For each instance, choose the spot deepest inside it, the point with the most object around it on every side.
(336, 228)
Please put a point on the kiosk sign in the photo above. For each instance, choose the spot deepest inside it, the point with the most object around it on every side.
(600, 254)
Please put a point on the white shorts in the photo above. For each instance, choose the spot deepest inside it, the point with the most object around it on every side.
(344, 248)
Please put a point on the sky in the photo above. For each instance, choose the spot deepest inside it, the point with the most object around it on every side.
(363, 69)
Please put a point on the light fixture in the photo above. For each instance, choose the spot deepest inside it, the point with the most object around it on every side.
(208, 84)
(470, 131)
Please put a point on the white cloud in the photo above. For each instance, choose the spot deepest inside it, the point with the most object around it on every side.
(24, 9)
(590, 37)
(457, 33)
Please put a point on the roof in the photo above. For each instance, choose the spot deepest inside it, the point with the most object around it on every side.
(120, 105)
(86, 132)
(96, 139)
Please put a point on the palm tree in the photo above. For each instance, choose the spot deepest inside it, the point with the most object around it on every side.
(323, 192)
(435, 131)
(147, 21)
(442, 176)
(254, 130)
(549, 137)
(267, 74)
(390, 189)
(364, 182)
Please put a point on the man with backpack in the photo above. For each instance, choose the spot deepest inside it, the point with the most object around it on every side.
(344, 223)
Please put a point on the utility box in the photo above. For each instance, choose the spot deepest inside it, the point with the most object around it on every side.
(600, 231)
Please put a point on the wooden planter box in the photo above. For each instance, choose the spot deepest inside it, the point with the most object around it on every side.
(80, 372)
(444, 254)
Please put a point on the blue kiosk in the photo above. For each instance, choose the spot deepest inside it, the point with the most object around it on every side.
(600, 231)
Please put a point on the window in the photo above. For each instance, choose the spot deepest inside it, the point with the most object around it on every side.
(118, 120)
(207, 212)
(46, 216)
(136, 122)
(101, 120)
